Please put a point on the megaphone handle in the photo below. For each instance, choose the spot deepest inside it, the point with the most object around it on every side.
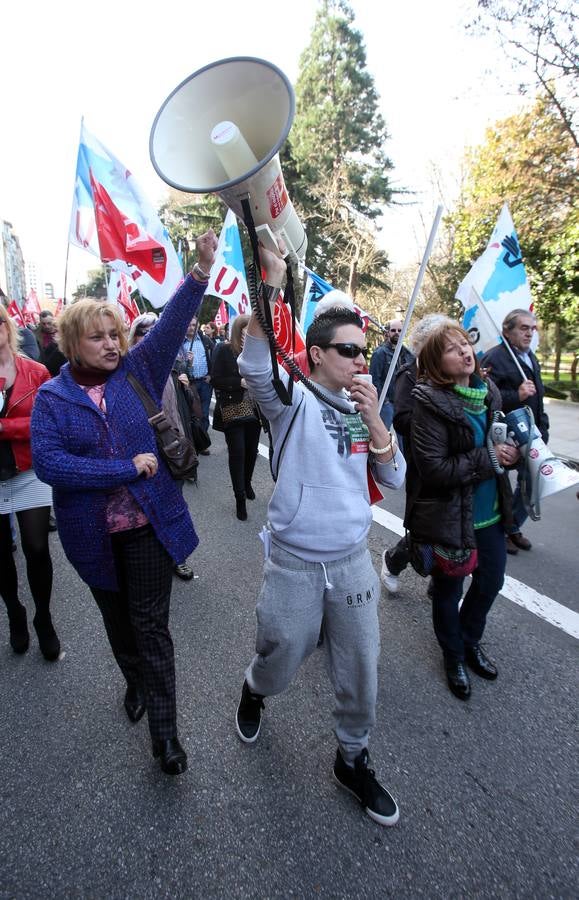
(285, 395)
(268, 239)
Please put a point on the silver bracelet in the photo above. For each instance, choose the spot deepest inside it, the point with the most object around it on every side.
(199, 271)
(269, 292)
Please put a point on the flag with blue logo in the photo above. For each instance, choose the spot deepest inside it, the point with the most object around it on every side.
(314, 290)
(227, 279)
(113, 220)
(500, 280)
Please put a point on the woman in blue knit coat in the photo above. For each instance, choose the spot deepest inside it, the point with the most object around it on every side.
(121, 518)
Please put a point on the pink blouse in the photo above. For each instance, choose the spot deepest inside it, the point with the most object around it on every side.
(123, 511)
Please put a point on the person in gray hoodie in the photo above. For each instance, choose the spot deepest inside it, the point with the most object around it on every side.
(327, 444)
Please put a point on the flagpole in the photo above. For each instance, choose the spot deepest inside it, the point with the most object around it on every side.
(410, 310)
(483, 307)
(66, 273)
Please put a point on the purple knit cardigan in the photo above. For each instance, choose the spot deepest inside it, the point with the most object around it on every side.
(85, 454)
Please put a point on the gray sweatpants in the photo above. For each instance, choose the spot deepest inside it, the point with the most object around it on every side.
(293, 599)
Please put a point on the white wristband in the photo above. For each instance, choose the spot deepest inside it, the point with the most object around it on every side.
(204, 276)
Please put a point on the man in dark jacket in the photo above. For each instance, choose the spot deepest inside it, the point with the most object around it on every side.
(195, 353)
(516, 391)
(46, 338)
(380, 363)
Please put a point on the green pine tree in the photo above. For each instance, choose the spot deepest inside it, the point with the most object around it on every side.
(335, 163)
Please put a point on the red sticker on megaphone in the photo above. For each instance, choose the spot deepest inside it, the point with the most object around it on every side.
(277, 197)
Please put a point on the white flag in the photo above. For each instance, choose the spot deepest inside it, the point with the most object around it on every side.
(500, 279)
(227, 278)
(105, 192)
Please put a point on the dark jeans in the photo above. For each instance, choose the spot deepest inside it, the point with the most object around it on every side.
(455, 629)
(387, 413)
(136, 619)
(242, 442)
(204, 390)
(387, 416)
(520, 514)
(33, 525)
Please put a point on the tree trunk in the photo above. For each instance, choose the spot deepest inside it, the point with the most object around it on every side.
(557, 351)
(574, 369)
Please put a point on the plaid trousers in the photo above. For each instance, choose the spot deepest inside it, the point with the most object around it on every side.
(136, 620)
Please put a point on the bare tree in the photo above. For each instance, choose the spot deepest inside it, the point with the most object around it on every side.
(540, 38)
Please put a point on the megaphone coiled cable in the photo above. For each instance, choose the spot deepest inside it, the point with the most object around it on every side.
(289, 361)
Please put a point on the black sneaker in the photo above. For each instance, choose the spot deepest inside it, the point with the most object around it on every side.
(248, 716)
(183, 571)
(361, 782)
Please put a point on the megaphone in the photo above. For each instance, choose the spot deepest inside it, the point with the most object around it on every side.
(220, 132)
(548, 473)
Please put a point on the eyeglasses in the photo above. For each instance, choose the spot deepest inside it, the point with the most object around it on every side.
(350, 351)
(395, 331)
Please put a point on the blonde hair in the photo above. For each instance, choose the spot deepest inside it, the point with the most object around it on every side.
(333, 300)
(424, 328)
(146, 320)
(13, 336)
(239, 323)
(77, 320)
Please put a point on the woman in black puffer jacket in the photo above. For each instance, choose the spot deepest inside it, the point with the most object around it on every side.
(457, 501)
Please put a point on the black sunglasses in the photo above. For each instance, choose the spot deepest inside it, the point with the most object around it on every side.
(349, 350)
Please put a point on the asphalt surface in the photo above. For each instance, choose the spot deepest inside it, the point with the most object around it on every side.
(485, 788)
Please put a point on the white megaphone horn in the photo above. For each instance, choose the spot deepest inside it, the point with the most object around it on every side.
(220, 132)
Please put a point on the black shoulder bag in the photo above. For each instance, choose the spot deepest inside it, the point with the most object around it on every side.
(177, 452)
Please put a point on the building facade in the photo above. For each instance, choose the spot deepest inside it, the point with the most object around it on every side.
(12, 273)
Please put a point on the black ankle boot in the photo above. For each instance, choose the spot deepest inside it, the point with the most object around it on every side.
(47, 636)
(249, 492)
(19, 637)
(241, 509)
(172, 758)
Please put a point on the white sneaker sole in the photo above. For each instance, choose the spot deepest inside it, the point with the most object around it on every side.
(381, 820)
(242, 736)
(389, 581)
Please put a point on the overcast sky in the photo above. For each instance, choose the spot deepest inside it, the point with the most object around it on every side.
(115, 62)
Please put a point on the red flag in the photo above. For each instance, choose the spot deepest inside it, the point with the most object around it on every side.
(119, 238)
(222, 317)
(58, 307)
(282, 327)
(31, 309)
(125, 301)
(13, 311)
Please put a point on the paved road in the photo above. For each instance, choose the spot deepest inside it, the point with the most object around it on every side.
(484, 788)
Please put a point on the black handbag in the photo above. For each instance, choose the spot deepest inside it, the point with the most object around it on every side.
(177, 452)
(199, 436)
(235, 408)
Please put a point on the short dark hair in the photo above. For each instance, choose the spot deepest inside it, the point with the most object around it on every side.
(45, 312)
(323, 328)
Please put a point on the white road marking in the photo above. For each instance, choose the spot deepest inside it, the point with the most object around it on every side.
(539, 604)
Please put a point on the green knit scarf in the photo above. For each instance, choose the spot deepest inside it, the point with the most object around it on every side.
(473, 398)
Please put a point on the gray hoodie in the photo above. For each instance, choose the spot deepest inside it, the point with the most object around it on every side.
(320, 508)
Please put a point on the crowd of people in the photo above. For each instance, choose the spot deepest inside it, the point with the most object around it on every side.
(75, 435)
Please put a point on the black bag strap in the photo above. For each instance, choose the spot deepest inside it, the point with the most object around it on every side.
(151, 407)
(157, 418)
